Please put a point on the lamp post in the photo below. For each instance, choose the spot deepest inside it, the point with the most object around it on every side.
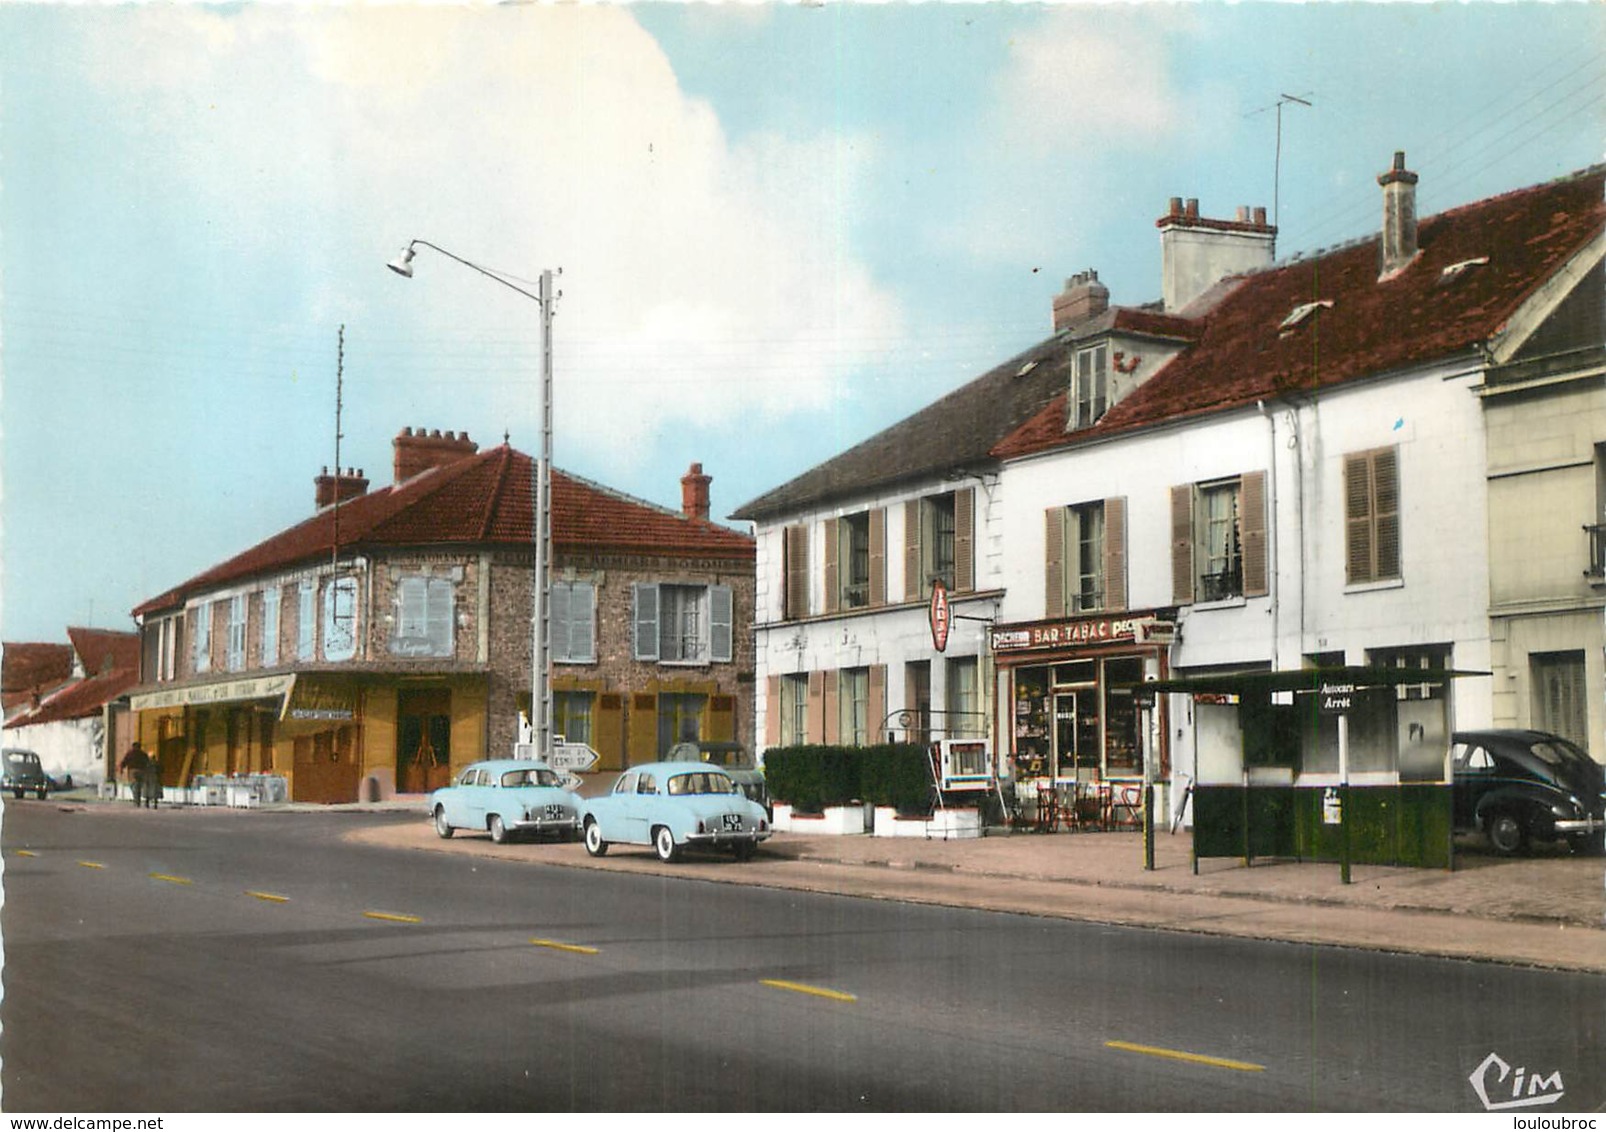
(540, 686)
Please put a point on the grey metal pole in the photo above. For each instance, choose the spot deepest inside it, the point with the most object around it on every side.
(540, 684)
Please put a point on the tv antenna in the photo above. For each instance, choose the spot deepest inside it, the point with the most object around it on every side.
(1277, 165)
(340, 374)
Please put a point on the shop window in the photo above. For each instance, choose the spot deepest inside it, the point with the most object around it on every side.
(572, 715)
(1123, 724)
(1218, 539)
(1371, 516)
(678, 624)
(573, 612)
(422, 621)
(270, 627)
(340, 619)
(238, 606)
(202, 659)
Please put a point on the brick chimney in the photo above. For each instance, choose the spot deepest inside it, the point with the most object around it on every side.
(1399, 216)
(1084, 296)
(340, 487)
(694, 493)
(1196, 252)
(418, 451)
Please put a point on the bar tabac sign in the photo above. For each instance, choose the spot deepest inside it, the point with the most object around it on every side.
(1060, 634)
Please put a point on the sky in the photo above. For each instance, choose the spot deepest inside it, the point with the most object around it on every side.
(780, 228)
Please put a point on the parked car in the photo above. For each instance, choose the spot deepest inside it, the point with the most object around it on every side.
(1518, 787)
(671, 805)
(22, 773)
(733, 759)
(506, 797)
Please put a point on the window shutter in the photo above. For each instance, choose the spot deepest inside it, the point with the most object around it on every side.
(642, 728)
(1054, 562)
(965, 539)
(833, 592)
(608, 732)
(1252, 528)
(1357, 519)
(582, 621)
(878, 556)
(795, 550)
(1115, 553)
(1182, 543)
(833, 708)
(816, 716)
(646, 621)
(877, 709)
(721, 718)
(558, 614)
(1386, 511)
(772, 711)
(914, 584)
(720, 618)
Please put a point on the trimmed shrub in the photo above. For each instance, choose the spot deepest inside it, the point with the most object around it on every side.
(899, 774)
(810, 778)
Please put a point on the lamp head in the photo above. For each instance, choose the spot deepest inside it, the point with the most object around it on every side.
(403, 264)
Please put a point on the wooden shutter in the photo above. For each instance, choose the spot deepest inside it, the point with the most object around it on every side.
(876, 712)
(1115, 553)
(914, 582)
(878, 556)
(833, 707)
(721, 726)
(1386, 512)
(557, 611)
(833, 591)
(645, 621)
(643, 728)
(1252, 531)
(772, 711)
(815, 730)
(795, 552)
(1357, 519)
(1054, 562)
(608, 732)
(721, 615)
(1182, 543)
(965, 539)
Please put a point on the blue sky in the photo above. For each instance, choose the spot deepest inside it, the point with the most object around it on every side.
(780, 227)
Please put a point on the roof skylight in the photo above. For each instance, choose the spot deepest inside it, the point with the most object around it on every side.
(1300, 313)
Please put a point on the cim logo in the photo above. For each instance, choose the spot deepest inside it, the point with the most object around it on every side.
(1527, 1090)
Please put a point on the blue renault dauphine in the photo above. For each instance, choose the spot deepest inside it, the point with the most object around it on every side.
(506, 797)
(672, 805)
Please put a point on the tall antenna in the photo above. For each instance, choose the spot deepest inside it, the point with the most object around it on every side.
(340, 373)
(1277, 165)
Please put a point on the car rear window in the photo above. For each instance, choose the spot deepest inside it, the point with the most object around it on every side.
(703, 783)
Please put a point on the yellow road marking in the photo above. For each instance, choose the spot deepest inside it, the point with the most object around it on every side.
(26, 853)
(393, 917)
(92, 864)
(578, 949)
(1196, 1058)
(804, 988)
(268, 896)
(171, 880)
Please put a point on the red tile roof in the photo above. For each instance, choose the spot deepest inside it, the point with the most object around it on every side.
(480, 500)
(29, 665)
(100, 650)
(79, 700)
(111, 664)
(1373, 326)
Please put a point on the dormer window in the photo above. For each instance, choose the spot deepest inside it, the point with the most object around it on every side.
(1300, 313)
(1090, 386)
(1456, 270)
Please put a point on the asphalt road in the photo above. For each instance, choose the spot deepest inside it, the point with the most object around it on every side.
(232, 961)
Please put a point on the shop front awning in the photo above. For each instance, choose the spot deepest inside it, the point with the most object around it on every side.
(1264, 682)
(233, 690)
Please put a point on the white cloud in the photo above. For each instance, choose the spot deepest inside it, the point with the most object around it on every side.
(704, 281)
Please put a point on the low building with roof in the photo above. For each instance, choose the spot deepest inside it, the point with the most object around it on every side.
(74, 724)
(386, 640)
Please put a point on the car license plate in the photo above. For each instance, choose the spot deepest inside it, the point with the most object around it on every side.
(554, 813)
(733, 823)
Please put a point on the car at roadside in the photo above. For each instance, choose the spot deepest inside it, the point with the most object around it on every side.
(22, 773)
(506, 798)
(732, 758)
(1518, 787)
(673, 805)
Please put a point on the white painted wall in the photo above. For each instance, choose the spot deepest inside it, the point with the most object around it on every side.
(74, 746)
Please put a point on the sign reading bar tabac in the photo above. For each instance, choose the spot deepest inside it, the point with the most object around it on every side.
(1079, 631)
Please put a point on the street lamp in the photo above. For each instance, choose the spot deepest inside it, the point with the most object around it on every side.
(540, 686)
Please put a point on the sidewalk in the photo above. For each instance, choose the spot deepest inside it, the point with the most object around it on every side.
(1544, 911)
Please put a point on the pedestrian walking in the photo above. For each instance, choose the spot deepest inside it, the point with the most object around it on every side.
(133, 765)
(153, 780)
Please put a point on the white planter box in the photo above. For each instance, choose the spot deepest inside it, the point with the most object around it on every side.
(944, 825)
(836, 821)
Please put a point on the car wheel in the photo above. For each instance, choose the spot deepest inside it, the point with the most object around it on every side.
(42, 793)
(595, 845)
(443, 828)
(663, 843)
(18, 794)
(1507, 836)
(498, 830)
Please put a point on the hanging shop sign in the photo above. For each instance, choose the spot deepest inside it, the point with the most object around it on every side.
(1081, 631)
(332, 703)
(941, 616)
(217, 692)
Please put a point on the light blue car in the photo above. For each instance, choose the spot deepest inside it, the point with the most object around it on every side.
(506, 797)
(672, 805)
